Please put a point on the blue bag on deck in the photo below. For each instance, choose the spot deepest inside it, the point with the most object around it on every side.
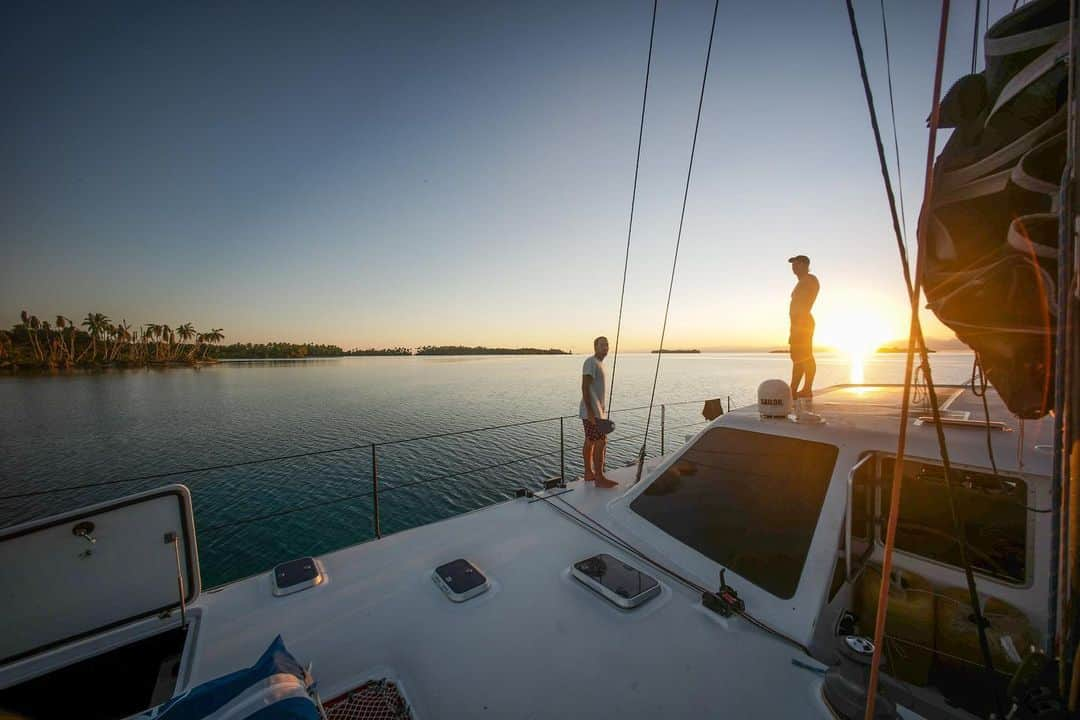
(274, 688)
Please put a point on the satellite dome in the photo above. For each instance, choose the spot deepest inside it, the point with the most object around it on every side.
(774, 399)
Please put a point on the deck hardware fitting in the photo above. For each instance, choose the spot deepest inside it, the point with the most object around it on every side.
(725, 602)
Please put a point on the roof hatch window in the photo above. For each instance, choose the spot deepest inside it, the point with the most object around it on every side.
(749, 501)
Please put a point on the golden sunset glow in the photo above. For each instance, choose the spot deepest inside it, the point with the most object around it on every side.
(857, 327)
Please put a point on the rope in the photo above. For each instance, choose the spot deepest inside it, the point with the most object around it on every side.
(882, 163)
(585, 521)
(892, 113)
(678, 237)
(915, 340)
(633, 202)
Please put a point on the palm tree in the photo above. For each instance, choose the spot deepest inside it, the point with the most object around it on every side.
(121, 334)
(72, 331)
(169, 336)
(95, 324)
(213, 337)
(185, 332)
(35, 325)
(50, 342)
(61, 325)
(29, 326)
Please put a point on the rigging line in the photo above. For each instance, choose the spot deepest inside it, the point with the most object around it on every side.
(975, 34)
(678, 237)
(882, 162)
(633, 202)
(589, 523)
(978, 389)
(892, 113)
(917, 341)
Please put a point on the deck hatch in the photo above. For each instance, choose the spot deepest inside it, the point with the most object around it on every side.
(97, 568)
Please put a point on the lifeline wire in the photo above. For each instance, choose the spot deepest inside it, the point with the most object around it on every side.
(678, 238)
(633, 202)
(294, 456)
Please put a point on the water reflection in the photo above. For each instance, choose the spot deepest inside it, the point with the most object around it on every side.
(857, 370)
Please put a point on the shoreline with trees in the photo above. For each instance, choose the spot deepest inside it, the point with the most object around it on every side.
(97, 343)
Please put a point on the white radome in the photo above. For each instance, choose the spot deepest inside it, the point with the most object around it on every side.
(774, 399)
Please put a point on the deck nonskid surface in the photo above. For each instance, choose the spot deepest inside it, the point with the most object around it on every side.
(538, 644)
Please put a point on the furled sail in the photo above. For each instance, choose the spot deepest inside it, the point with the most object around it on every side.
(990, 239)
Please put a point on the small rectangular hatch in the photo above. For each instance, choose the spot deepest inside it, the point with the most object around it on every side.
(100, 567)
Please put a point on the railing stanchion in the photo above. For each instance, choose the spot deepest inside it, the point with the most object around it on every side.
(375, 490)
(662, 413)
(729, 403)
(562, 451)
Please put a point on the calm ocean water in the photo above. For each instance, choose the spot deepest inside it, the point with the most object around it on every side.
(83, 428)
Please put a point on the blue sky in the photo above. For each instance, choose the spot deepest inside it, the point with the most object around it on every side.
(408, 173)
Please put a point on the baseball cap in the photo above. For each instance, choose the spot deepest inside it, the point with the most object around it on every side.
(799, 258)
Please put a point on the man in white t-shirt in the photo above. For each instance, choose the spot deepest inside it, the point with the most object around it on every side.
(593, 389)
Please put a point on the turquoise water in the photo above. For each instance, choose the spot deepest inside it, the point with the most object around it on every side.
(82, 428)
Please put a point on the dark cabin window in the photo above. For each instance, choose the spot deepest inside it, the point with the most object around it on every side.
(994, 510)
(747, 500)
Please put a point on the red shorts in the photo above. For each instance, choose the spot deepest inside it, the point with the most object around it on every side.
(592, 430)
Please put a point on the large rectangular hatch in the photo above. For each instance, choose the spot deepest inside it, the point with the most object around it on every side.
(96, 568)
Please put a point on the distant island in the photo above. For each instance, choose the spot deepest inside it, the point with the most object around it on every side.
(378, 352)
(897, 349)
(676, 352)
(481, 350)
(883, 349)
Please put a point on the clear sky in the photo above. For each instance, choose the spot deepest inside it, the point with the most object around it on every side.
(400, 173)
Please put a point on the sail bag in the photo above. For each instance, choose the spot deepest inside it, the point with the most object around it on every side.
(990, 234)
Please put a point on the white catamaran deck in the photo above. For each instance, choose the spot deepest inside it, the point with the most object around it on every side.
(538, 644)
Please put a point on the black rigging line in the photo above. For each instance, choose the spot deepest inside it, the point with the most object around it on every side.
(585, 521)
(678, 237)
(882, 162)
(978, 389)
(633, 202)
(975, 34)
(917, 341)
(892, 113)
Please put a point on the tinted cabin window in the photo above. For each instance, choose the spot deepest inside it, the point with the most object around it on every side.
(747, 501)
(994, 514)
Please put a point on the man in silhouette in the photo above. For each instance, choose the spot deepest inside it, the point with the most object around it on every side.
(801, 338)
(594, 414)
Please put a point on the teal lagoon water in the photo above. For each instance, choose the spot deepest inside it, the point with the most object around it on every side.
(59, 431)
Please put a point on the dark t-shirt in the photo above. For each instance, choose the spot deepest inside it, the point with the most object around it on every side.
(802, 301)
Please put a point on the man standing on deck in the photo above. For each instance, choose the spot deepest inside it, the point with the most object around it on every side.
(801, 338)
(594, 414)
